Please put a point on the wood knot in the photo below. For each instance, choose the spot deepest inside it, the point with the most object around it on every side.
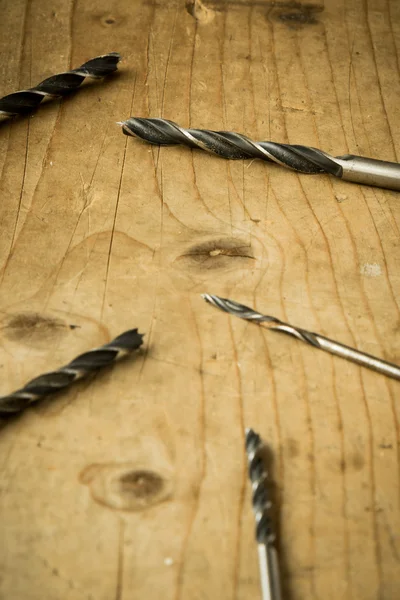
(141, 484)
(221, 254)
(296, 15)
(108, 20)
(33, 329)
(126, 486)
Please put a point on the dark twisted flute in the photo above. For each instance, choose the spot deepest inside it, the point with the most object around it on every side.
(26, 101)
(265, 536)
(80, 367)
(231, 145)
(314, 339)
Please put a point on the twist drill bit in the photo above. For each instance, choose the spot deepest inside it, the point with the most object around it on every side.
(80, 367)
(267, 554)
(314, 339)
(231, 145)
(26, 101)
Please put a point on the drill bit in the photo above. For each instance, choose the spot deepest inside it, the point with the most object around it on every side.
(80, 367)
(231, 145)
(314, 339)
(267, 554)
(26, 101)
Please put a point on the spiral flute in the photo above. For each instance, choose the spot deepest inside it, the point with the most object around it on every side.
(314, 339)
(62, 378)
(231, 145)
(267, 553)
(26, 101)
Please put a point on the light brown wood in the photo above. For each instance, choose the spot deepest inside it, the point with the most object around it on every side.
(134, 485)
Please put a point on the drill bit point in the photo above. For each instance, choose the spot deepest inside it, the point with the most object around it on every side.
(235, 308)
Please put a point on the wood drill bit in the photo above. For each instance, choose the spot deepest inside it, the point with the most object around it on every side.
(80, 367)
(314, 339)
(26, 101)
(231, 145)
(265, 536)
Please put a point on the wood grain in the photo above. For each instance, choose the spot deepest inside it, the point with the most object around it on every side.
(134, 485)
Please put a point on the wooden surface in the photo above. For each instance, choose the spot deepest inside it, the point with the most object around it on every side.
(134, 485)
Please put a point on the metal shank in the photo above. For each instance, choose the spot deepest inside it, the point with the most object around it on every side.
(370, 171)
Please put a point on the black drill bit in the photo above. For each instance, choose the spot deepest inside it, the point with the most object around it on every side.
(231, 145)
(26, 101)
(314, 339)
(265, 536)
(80, 367)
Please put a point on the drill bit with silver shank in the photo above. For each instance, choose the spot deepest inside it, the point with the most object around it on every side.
(231, 145)
(26, 101)
(314, 339)
(267, 554)
(80, 367)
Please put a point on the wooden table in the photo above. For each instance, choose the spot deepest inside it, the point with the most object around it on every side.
(134, 485)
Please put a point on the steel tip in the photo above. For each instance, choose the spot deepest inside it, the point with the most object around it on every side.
(210, 297)
(253, 441)
(251, 434)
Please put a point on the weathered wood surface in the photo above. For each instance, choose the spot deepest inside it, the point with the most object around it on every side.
(106, 233)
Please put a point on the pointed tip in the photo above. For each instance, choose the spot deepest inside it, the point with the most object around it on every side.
(209, 297)
(253, 440)
(251, 434)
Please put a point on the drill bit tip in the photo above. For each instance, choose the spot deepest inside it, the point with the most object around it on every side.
(235, 308)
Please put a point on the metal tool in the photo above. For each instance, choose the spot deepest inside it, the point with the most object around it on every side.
(25, 101)
(80, 367)
(267, 553)
(231, 145)
(314, 339)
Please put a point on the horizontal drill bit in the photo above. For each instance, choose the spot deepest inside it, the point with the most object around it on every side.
(314, 339)
(80, 367)
(231, 145)
(26, 101)
(265, 536)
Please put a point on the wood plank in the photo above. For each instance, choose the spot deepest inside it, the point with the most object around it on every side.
(134, 485)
